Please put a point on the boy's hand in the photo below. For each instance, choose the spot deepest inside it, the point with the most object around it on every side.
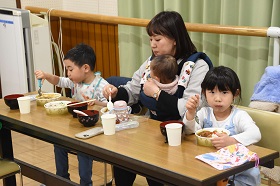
(53, 79)
(91, 103)
(40, 75)
(191, 105)
(88, 98)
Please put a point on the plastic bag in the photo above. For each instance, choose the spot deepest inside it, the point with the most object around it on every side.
(127, 125)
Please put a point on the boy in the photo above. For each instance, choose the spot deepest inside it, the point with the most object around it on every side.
(84, 84)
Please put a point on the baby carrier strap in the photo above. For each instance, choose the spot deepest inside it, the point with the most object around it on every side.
(193, 58)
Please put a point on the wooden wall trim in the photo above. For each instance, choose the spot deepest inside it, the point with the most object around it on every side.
(195, 27)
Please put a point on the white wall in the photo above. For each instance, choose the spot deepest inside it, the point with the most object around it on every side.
(108, 7)
(105, 7)
(8, 3)
(87, 6)
(56, 4)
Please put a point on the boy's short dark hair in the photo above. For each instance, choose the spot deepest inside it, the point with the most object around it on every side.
(82, 54)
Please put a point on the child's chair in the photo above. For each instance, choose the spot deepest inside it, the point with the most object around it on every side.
(268, 123)
(9, 168)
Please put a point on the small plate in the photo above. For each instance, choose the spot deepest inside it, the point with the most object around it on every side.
(32, 97)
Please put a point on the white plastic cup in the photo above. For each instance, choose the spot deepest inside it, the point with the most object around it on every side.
(174, 134)
(24, 104)
(109, 123)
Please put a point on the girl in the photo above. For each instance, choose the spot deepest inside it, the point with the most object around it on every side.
(221, 87)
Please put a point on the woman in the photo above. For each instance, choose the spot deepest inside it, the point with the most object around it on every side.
(168, 35)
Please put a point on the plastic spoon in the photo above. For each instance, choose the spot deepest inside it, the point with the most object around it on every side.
(80, 112)
(110, 105)
(40, 86)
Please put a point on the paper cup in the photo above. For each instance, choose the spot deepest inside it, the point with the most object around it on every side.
(174, 132)
(109, 123)
(24, 104)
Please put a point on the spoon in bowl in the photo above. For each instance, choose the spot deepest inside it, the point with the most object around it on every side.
(110, 104)
(80, 112)
(40, 87)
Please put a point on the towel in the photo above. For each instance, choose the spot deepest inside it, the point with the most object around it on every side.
(229, 157)
(268, 88)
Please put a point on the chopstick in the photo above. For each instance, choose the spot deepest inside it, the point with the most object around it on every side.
(81, 102)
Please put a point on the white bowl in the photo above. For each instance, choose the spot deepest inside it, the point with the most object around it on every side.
(57, 107)
(104, 110)
(206, 141)
(46, 98)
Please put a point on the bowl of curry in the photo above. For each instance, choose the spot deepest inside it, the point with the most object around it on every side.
(204, 136)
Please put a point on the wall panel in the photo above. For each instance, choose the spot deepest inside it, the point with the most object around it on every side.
(101, 37)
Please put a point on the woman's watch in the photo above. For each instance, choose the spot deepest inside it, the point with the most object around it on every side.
(155, 95)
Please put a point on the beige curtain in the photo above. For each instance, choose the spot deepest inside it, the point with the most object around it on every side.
(247, 55)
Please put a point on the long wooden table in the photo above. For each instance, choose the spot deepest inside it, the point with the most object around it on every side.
(142, 150)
